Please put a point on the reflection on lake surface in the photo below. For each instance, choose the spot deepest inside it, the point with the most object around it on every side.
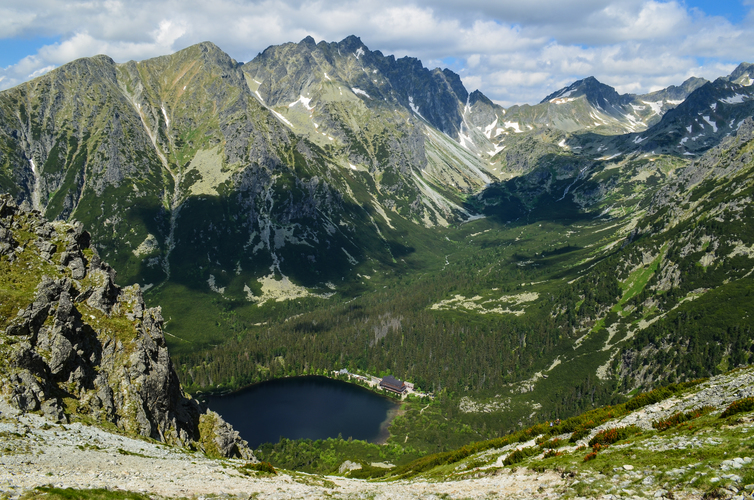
(305, 408)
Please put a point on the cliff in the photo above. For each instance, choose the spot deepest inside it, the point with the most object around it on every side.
(75, 346)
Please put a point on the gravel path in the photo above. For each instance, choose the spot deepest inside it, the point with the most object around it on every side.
(37, 453)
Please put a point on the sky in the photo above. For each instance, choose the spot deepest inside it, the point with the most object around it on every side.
(515, 52)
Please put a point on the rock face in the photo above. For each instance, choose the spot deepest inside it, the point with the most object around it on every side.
(75, 345)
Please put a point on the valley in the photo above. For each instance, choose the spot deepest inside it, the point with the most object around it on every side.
(327, 207)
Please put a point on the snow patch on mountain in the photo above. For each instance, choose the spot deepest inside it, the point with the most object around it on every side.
(563, 95)
(350, 258)
(165, 114)
(598, 120)
(656, 106)
(562, 100)
(359, 91)
(303, 100)
(496, 151)
(463, 139)
(488, 129)
(736, 99)
(213, 285)
(413, 106)
(712, 123)
(515, 126)
(282, 118)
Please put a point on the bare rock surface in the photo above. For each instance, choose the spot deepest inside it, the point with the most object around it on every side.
(79, 347)
(82, 457)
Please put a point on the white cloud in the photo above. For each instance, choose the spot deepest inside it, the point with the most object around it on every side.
(42, 71)
(512, 51)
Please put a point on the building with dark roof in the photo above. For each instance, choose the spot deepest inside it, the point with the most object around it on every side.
(392, 384)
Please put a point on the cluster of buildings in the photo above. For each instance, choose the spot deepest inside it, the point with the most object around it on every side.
(387, 383)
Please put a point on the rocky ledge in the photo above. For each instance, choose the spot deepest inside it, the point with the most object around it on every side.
(75, 346)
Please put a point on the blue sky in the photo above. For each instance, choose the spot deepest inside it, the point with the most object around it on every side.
(513, 51)
(734, 11)
(13, 50)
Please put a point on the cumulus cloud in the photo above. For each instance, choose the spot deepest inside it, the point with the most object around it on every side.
(514, 52)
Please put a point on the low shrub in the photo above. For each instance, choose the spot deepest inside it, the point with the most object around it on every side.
(599, 447)
(590, 456)
(521, 454)
(265, 467)
(369, 472)
(53, 493)
(740, 406)
(610, 436)
(680, 417)
(552, 453)
(448, 457)
(553, 443)
(659, 394)
(581, 432)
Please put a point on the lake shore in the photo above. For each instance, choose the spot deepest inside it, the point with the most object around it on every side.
(311, 407)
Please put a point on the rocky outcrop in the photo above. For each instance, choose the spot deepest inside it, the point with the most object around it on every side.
(77, 346)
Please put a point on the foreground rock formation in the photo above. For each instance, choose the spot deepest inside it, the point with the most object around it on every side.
(75, 346)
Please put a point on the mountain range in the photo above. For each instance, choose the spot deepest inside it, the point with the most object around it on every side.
(326, 206)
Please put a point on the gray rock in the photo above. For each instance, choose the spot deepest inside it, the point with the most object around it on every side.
(348, 466)
(78, 269)
(61, 354)
(227, 439)
(26, 391)
(52, 410)
(23, 355)
(46, 248)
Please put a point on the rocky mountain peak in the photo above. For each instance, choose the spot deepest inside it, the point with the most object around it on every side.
(595, 92)
(352, 43)
(743, 74)
(308, 41)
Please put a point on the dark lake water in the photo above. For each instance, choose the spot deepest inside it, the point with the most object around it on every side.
(305, 408)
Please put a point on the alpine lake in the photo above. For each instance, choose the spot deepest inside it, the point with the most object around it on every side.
(310, 407)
